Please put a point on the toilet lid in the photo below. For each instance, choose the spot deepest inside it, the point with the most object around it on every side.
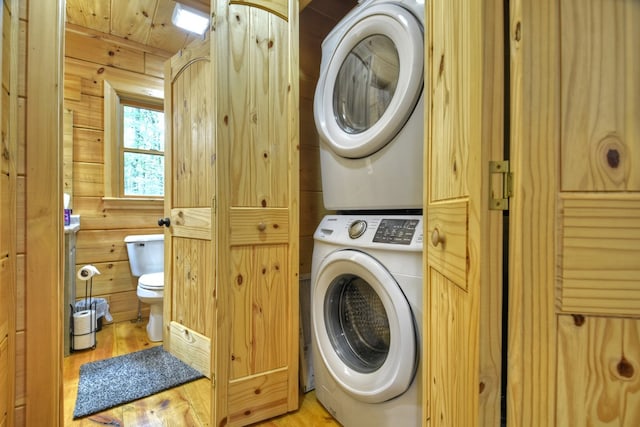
(152, 281)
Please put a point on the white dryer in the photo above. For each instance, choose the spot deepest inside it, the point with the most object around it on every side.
(366, 317)
(368, 107)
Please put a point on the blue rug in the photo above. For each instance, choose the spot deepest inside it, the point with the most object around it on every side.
(111, 382)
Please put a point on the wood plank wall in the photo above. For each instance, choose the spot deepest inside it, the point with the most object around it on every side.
(9, 165)
(90, 60)
(20, 332)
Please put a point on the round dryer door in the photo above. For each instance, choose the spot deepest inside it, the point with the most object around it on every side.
(370, 86)
(364, 327)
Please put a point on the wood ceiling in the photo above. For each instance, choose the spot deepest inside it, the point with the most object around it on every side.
(148, 22)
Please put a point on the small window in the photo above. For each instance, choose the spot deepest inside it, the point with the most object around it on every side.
(142, 151)
(134, 145)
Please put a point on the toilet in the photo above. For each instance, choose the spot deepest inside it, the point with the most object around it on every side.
(146, 260)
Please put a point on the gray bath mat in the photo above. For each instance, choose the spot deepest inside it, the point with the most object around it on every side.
(111, 382)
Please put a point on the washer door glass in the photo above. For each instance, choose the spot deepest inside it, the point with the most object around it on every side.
(370, 83)
(357, 323)
(366, 83)
(363, 326)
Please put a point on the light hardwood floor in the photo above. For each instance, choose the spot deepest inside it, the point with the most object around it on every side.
(187, 405)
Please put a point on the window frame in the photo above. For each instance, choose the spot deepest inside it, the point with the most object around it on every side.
(116, 95)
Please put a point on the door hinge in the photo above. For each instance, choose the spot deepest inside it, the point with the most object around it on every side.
(501, 202)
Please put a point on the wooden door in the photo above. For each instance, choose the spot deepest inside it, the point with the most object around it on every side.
(574, 345)
(462, 342)
(255, 51)
(190, 247)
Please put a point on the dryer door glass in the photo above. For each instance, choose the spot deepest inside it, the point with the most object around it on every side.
(357, 323)
(366, 83)
(371, 81)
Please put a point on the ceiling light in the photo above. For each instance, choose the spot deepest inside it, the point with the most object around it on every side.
(190, 19)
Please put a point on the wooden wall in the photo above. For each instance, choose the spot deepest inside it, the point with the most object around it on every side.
(89, 61)
(20, 333)
(10, 167)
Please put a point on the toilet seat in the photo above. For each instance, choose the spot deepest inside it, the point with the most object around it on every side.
(152, 281)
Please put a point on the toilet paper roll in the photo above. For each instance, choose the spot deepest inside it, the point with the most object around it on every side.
(87, 272)
(84, 326)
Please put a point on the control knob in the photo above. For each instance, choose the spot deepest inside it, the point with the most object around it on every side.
(357, 228)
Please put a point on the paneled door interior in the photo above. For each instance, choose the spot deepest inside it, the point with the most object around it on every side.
(190, 247)
(255, 55)
(231, 207)
(574, 296)
(462, 344)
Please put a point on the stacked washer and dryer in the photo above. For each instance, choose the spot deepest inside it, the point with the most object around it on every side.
(366, 278)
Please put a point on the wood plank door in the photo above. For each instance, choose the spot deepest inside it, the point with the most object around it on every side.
(190, 246)
(255, 51)
(462, 340)
(574, 345)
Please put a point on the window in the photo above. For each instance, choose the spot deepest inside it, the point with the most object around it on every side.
(134, 143)
(142, 151)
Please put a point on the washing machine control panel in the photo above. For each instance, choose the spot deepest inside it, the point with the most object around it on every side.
(396, 231)
(403, 233)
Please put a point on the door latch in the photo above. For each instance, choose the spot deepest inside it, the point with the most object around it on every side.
(499, 200)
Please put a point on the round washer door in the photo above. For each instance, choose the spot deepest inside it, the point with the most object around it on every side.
(364, 327)
(372, 82)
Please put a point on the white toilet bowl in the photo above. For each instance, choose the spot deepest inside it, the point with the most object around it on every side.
(151, 291)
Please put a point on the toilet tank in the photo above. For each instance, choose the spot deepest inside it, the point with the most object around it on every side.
(146, 253)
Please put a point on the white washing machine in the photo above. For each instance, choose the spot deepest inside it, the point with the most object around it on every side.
(366, 317)
(369, 108)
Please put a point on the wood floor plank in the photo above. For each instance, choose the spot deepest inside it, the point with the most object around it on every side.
(310, 414)
(168, 408)
(199, 394)
(132, 336)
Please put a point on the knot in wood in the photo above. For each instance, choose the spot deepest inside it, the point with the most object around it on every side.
(625, 369)
(613, 158)
(578, 319)
(612, 149)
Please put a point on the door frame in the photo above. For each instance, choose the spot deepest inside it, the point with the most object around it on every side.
(43, 216)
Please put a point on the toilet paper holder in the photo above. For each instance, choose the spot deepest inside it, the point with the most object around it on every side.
(84, 323)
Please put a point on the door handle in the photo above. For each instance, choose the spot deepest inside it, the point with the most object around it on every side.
(164, 221)
(437, 237)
